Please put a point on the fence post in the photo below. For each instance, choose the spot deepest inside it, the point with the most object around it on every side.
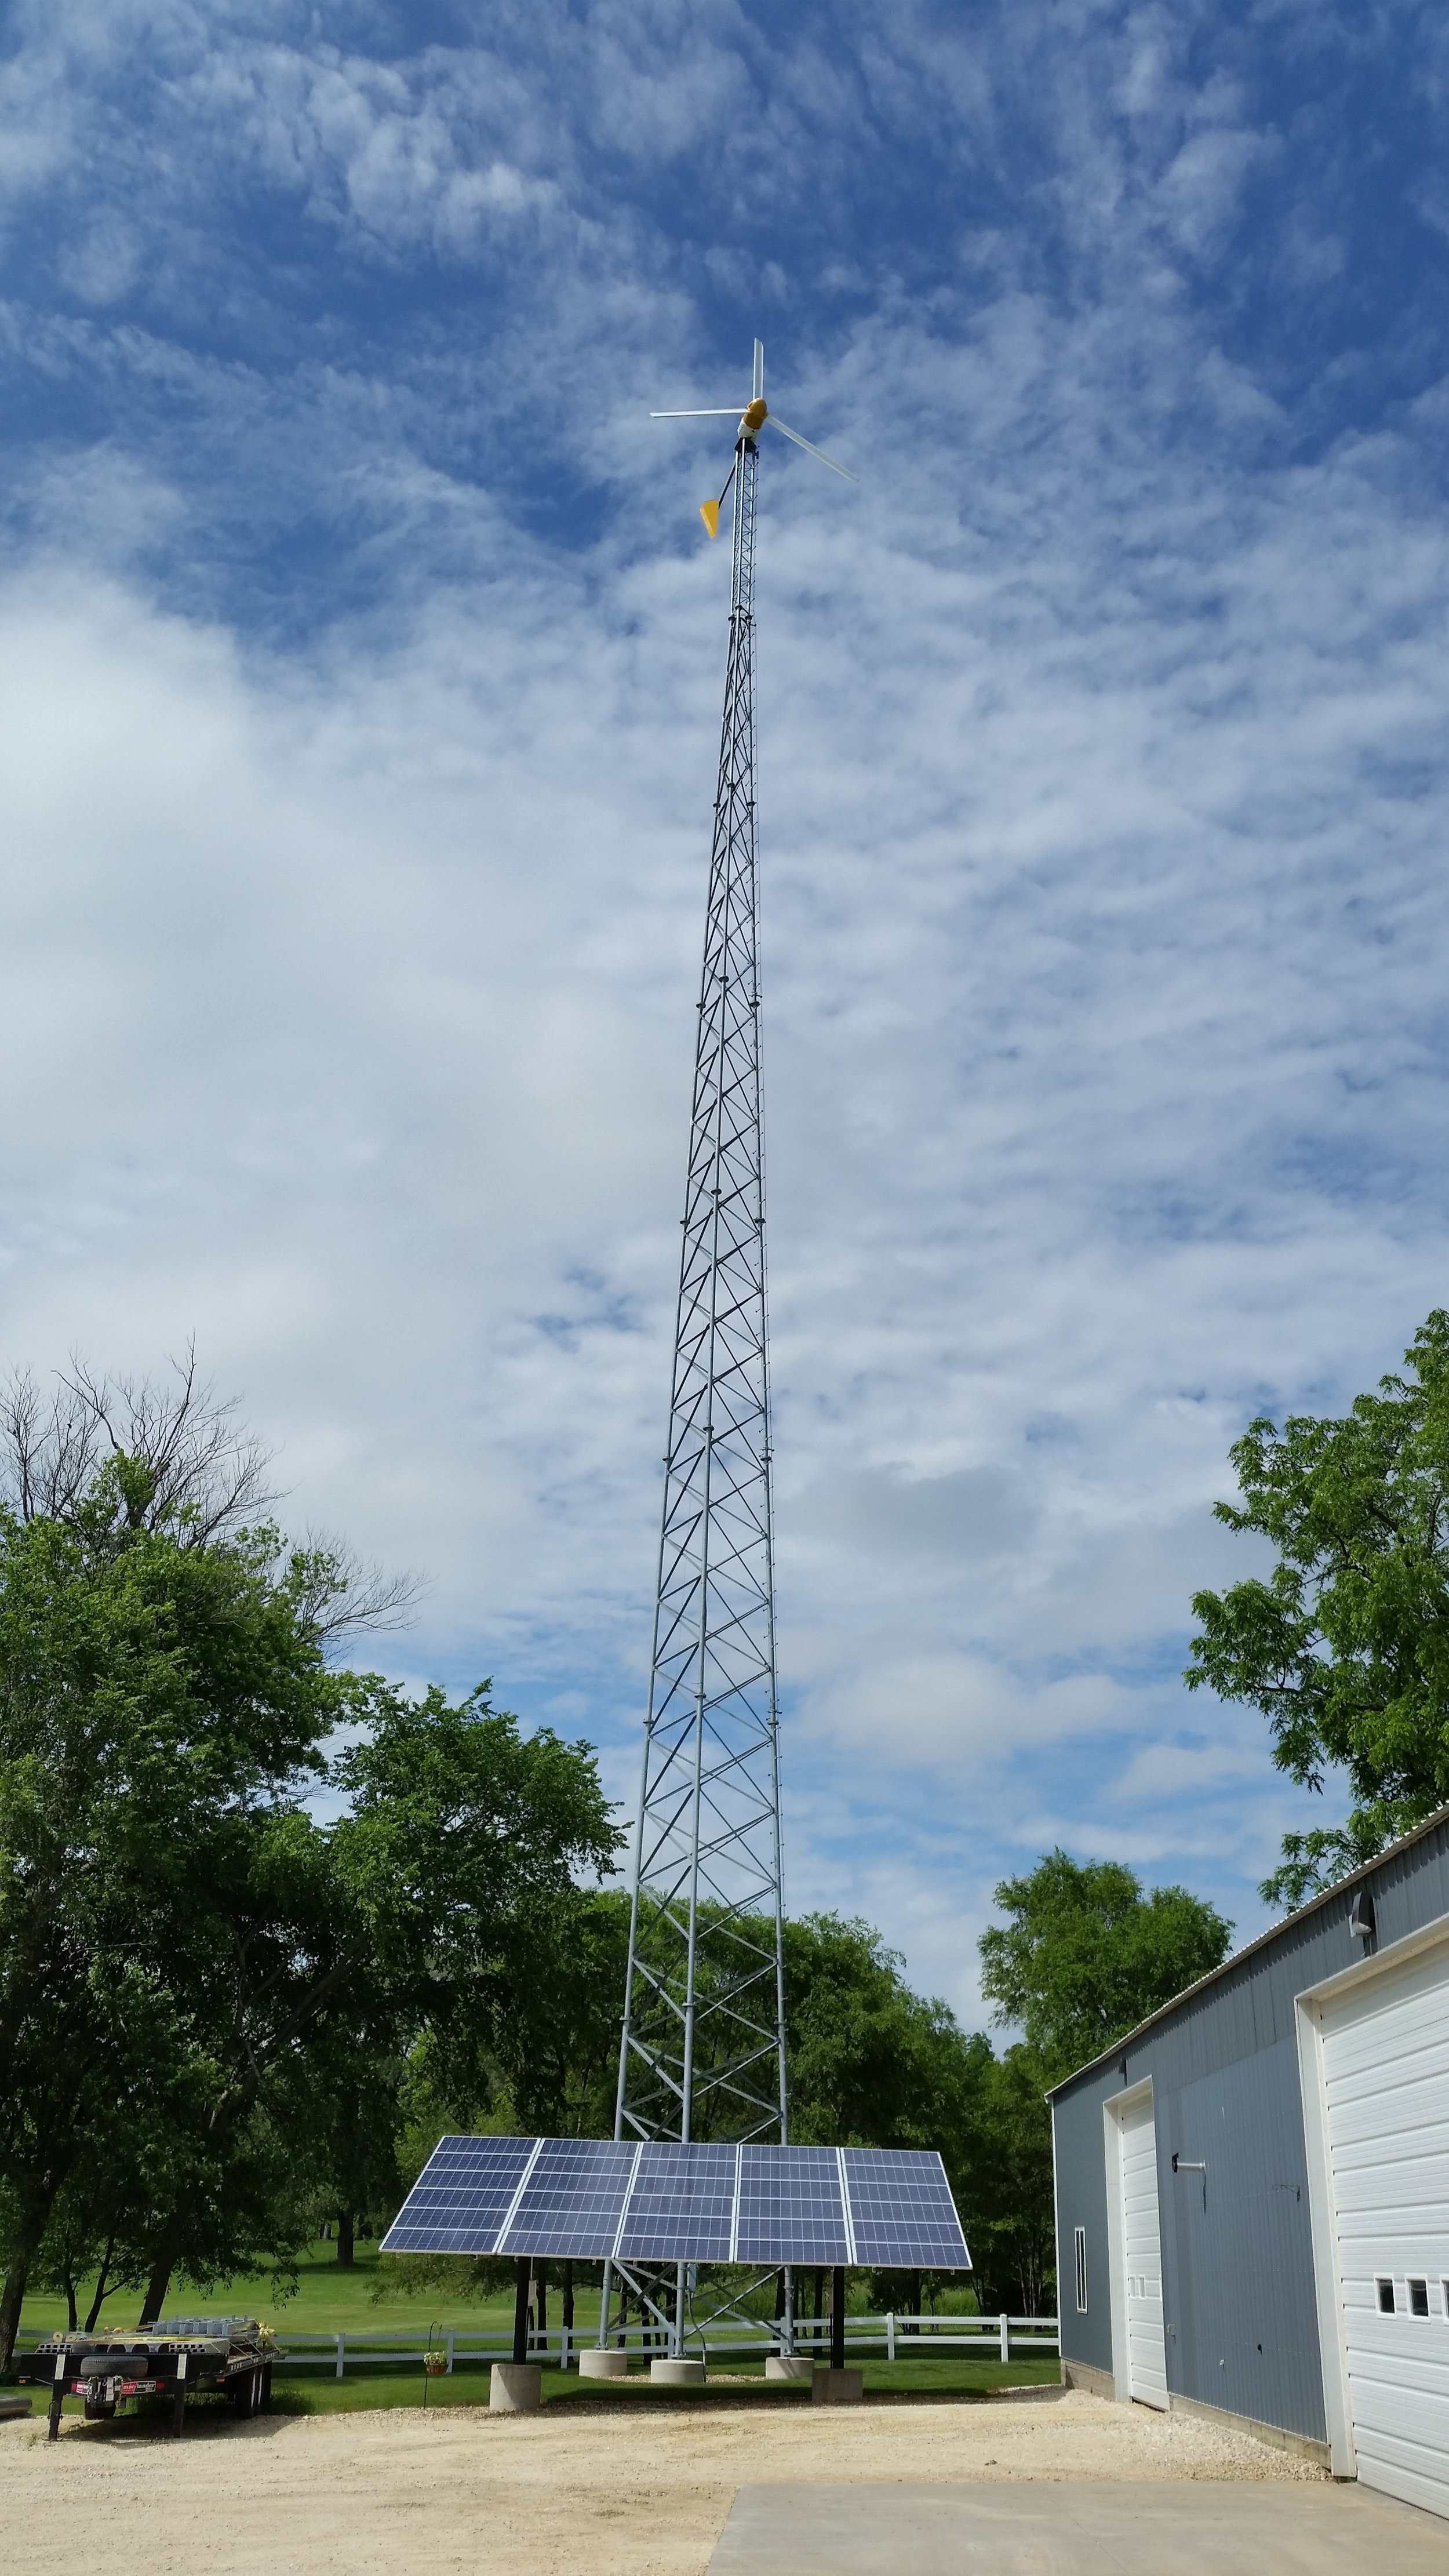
(564, 2340)
(1005, 2325)
(450, 2356)
(341, 2353)
(891, 2336)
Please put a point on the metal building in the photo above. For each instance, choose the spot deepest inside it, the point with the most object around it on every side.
(1253, 2186)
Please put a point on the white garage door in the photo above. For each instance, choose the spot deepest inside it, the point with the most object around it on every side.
(1386, 2087)
(1142, 2255)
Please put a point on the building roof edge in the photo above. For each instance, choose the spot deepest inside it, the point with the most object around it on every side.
(1249, 1950)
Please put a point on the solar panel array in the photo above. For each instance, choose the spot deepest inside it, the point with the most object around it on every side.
(590, 2199)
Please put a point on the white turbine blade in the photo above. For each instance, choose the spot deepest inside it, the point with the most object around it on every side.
(758, 386)
(812, 451)
(731, 411)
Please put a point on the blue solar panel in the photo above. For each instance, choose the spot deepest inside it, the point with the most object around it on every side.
(902, 2212)
(573, 2201)
(460, 2198)
(790, 2206)
(682, 2206)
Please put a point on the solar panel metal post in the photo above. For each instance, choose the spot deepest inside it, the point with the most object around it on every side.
(703, 2041)
(521, 2271)
(837, 2318)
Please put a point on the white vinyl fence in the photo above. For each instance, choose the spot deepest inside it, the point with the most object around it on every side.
(890, 2338)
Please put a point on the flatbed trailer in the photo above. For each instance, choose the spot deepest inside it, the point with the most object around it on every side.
(177, 2358)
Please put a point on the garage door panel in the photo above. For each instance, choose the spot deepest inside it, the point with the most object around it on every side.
(1360, 2020)
(1421, 2106)
(1397, 2192)
(1401, 2397)
(1142, 2256)
(1420, 2136)
(1421, 2092)
(1385, 2058)
(1358, 2063)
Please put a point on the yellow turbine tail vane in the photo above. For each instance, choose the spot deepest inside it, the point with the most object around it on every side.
(709, 512)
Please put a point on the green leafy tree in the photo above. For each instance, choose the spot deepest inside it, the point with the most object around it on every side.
(414, 1910)
(1345, 1645)
(1085, 1955)
(150, 1695)
(193, 1970)
(1007, 2199)
(870, 2062)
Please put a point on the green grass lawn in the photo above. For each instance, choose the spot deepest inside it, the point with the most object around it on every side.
(315, 2394)
(328, 2298)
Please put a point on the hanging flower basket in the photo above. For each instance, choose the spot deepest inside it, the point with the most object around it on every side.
(435, 2363)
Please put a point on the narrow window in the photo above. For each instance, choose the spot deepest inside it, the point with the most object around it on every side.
(1444, 2295)
(1386, 2298)
(1418, 2298)
(1082, 2272)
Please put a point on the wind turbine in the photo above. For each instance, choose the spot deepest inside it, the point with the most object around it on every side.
(752, 420)
(702, 2058)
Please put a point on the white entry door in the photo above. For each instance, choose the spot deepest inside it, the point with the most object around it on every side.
(1385, 2067)
(1142, 2254)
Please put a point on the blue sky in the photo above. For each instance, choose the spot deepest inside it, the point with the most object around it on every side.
(362, 658)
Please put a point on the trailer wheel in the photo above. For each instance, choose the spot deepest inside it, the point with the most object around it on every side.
(178, 2411)
(266, 2384)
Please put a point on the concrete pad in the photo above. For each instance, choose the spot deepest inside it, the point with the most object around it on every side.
(515, 2387)
(837, 2387)
(789, 2365)
(677, 2374)
(1194, 2527)
(606, 2364)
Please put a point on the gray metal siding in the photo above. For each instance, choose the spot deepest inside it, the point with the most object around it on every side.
(1237, 2255)
(1082, 2202)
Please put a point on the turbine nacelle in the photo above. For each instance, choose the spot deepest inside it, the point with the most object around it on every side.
(751, 421)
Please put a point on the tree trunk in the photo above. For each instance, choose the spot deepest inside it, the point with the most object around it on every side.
(913, 2294)
(10, 2301)
(568, 2296)
(540, 2298)
(24, 2246)
(346, 2239)
(162, 2266)
(100, 2287)
(71, 2319)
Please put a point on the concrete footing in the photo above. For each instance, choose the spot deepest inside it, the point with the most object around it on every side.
(515, 2386)
(605, 2364)
(677, 2374)
(789, 2365)
(838, 2387)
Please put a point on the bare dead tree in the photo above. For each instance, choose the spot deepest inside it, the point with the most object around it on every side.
(342, 1593)
(204, 1478)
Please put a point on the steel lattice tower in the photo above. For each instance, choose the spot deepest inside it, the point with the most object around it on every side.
(703, 2053)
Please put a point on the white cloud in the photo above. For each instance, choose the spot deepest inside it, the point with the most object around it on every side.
(348, 979)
